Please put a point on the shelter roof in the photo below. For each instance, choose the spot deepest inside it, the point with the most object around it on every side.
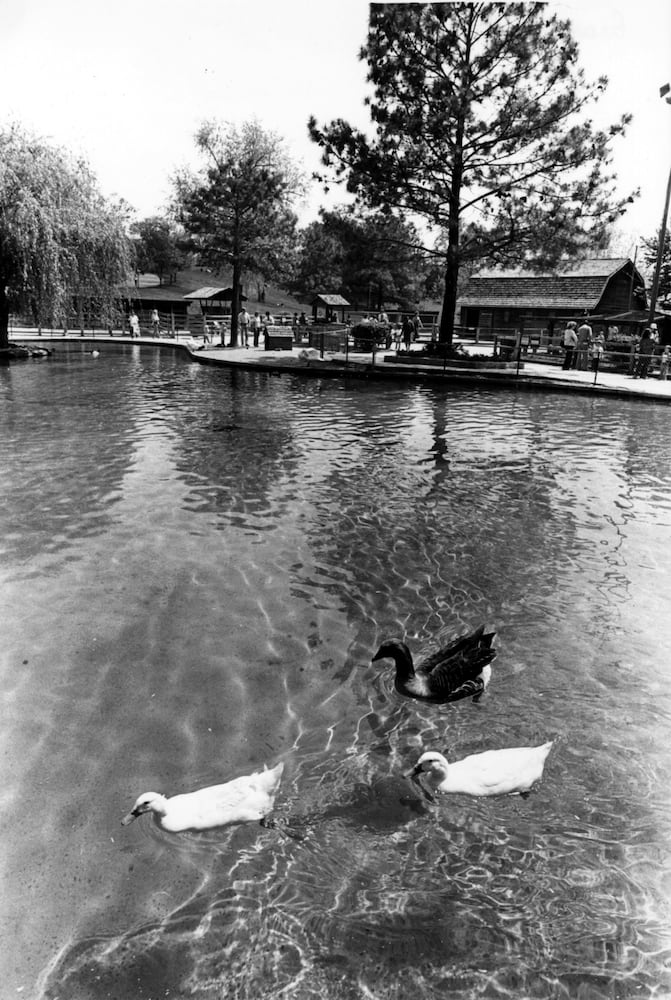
(329, 300)
(212, 292)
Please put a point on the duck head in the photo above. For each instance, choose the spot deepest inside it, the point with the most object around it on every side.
(147, 802)
(396, 650)
(432, 764)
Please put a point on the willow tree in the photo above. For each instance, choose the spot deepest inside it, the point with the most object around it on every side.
(479, 127)
(60, 240)
(238, 207)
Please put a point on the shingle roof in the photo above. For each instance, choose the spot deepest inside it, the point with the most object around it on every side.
(212, 292)
(330, 300)
(573, 285)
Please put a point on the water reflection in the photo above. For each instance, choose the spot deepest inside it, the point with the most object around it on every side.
(198, 566)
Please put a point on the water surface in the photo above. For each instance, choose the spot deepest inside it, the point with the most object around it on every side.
(198, 564)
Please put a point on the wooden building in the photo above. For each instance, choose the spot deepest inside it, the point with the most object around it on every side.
(499, 302)
(325, 308)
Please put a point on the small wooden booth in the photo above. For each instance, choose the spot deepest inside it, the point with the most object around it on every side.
(325, 308)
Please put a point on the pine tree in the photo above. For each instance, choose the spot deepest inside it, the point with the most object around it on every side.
(479, 129)
(650, 251)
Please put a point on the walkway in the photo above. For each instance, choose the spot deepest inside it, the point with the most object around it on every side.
(530, 375)
(305, 361)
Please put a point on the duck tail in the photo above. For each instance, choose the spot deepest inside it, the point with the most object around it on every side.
(487, 639)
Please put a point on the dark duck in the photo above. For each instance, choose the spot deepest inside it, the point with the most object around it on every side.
(459, 670)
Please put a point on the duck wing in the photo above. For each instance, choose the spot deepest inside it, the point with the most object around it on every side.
(459, 644)
(453, 671)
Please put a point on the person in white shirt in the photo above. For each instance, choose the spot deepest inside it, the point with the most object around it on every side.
(243, 323)
(570, 343)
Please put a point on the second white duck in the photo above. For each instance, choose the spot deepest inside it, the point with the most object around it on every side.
(241, 800)
(495, 772)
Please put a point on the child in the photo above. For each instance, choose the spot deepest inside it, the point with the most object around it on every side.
(596, 351)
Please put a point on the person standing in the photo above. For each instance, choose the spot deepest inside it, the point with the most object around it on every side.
(134, 324)
(597, 350)
(570, 342)
(256, 328)
(646, 349)
(243, 323)
(155, 323)
(664, 363)
(584, 343)
(407, 329)
(417, 325)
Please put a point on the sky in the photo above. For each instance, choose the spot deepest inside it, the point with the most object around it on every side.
(126, 84)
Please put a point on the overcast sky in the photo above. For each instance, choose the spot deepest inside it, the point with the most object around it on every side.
(127, 83)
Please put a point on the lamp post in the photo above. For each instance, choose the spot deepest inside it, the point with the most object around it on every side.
(663, 92)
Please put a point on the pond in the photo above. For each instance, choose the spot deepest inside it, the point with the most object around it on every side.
(198, 565)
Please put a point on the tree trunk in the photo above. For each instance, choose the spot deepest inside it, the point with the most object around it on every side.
(4, 318)
(446, 330)
(235, 302)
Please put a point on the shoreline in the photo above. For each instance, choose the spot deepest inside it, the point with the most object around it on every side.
(530, 375)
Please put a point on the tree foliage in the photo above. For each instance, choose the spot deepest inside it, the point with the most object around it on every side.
(60, 240)
(158, 247)
(650, 251)
(372, 258)
(479, 128)
(238, 207)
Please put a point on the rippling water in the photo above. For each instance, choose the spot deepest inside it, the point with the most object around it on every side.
(197, 566)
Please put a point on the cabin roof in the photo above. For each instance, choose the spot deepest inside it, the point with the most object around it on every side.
(572, 285)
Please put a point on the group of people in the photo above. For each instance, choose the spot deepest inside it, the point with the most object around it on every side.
(398, 334)
(643, 352)
(582, 347)
(134, 324)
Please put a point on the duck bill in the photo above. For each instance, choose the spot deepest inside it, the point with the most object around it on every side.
(129, 817)
(414, 775)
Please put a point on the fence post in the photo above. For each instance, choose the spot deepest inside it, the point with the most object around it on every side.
(519, 352)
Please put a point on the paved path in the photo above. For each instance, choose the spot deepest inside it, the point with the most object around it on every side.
(531, 375)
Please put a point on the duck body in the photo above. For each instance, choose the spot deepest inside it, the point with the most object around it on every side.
(458, 670)
(242, 800)
(495, 772)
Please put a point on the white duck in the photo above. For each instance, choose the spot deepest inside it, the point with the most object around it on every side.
(241, 800)
(494, 772)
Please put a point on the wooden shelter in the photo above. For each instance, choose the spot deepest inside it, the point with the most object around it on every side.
(325, 308)
(213, 299)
